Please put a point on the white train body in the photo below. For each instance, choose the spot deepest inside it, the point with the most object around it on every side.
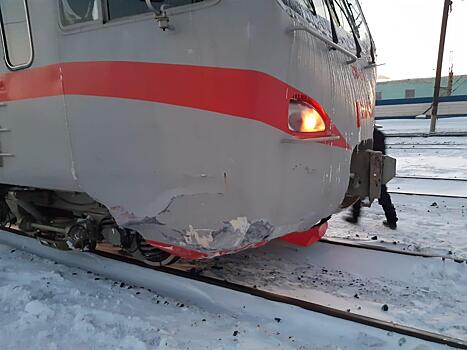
(183, 134)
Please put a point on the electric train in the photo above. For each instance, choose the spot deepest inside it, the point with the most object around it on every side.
(184, 128)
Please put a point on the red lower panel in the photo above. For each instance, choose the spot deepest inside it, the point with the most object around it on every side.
(195, 255)
(179, 251)
(304, 239)
(307, 238)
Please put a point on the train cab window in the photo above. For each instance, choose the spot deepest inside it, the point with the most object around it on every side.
(16, 33)
(322, 12)
(410, 93)
(315, 12)
(361, 28)
(321, 9)
(125, 8)
(79, 11)
(344, 25)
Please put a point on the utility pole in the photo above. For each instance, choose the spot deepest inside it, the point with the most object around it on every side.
(442, 41)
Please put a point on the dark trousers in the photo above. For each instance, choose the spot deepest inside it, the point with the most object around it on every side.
(384, 201)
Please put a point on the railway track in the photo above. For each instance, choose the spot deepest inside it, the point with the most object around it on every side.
(174, 280)
(385, 249)
(426, 134)
(431, 178)
(423, 147)
(429, 186)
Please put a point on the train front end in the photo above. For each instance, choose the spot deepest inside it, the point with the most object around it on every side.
(226, 125)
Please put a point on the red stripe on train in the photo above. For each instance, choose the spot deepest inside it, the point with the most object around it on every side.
(235, 92)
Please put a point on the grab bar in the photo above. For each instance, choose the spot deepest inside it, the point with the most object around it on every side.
(329, 42)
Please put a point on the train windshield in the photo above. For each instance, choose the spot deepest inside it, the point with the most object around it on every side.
(78, 11)
(341, 20)
(125, 8)
(81, 11)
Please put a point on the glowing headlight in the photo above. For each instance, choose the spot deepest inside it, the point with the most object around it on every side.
(304, 118)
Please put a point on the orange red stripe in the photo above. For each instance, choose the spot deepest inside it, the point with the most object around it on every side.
(231, 92)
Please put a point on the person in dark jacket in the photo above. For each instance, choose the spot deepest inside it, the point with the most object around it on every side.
(379, 144)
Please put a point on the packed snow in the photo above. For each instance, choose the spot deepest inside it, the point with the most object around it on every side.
(423, 293)
(46, 305)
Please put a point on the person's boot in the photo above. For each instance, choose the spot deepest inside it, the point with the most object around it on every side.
(351, 219)
(391, 225)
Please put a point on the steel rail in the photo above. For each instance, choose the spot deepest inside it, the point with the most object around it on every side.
(309, 306)
(426, 135)
(425, 144)
(430, 178)
(434, 180)
(428, 148)
(434, 195)
(366, 246)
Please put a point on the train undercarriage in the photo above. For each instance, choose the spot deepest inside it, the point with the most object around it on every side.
(66, 220)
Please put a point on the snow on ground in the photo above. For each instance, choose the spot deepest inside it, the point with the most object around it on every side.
(50, 306)
(428, 156)
(420, 292)
(432, 157)
(45, 305)
(426, 224)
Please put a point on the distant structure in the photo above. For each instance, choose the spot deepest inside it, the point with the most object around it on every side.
(413, 98)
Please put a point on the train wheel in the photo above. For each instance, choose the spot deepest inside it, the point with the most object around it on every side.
(154, 256)
(143, 251)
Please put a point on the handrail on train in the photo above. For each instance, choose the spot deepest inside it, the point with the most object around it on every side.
(329, 42)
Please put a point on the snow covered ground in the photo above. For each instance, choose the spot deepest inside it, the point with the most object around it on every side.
(45, 305)
(432, 157)
(420, 292)
(428, 156)
(426, 224)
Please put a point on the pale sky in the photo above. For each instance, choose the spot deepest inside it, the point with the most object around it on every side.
(406, 33)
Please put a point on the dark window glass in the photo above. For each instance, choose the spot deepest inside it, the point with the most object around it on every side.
(16, 35)
(379, 95)
(345, 32)
(410, 93)
(79, 11)
(321, 9)
(315, 12)
(125, 8)
(361, 28)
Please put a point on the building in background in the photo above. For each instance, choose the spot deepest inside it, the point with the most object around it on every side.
(413, 98)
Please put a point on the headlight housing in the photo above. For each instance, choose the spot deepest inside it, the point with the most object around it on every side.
(304, 118)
